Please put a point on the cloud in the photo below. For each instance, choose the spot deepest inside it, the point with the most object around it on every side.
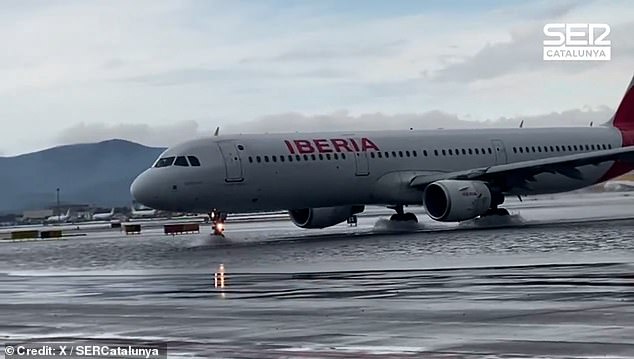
(344, 121)
(522, 52)
(141, 133)
(337, 121)
(229, 75)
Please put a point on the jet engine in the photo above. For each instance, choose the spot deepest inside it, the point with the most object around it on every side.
(452, 200)
(323, 217)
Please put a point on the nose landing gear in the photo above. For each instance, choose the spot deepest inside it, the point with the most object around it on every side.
(217, 219)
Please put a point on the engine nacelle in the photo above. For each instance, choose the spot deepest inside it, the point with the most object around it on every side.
(452, 200)
(322, 217)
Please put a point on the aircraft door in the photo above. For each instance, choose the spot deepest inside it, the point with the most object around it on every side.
(362, 164)
(500, 152)
(233, 163)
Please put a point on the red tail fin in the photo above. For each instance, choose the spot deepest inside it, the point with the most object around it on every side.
(624, 117)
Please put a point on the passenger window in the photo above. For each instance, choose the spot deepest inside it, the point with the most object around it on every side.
(312, 157)
(393, 153)
(464, 152)
(181, 161)
(514, 149)
(470, 152)
(387, 155)
(372, 154)
(193, 160)
(527, 149)
(380, 154)
(250, 159)
(335, 156)
(490, 150)
(477, 152)
(266, 158)
(298, 158)
(406, 153)
(328, 156)
(450, 152)
(290, 158)
(164, 162)
(435, 152)
(592, 147)
(400, 153)
(321, 157)
(274, 158)
(258, 159)
(539, 148)
(282, 158)
(444, 153)
(343, 156)
(305, 157)
(609, 146)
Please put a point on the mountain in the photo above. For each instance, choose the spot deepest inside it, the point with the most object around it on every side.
(96, 173)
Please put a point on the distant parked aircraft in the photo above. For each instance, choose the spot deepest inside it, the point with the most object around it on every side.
(60, 218)
(103, 216)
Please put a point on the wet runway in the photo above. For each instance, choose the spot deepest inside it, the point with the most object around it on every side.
(556, 281)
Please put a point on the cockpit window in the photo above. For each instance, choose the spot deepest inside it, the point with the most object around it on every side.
(194, 161)
(164, 162)
(181, 161)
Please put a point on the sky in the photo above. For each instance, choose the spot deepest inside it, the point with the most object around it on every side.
(160, 72)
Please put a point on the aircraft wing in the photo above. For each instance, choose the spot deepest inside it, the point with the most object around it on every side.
(520, 174)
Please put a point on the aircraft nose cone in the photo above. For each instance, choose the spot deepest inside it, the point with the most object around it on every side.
(140, 189)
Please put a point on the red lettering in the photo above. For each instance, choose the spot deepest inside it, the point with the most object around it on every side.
(304, 146)
(339, 143)
(322, 145)
(367, 144)
(354, 144)
(290, 147)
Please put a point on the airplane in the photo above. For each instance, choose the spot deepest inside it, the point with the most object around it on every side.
(61, 218)
(103, 216)
(143, 212)
(324, 179)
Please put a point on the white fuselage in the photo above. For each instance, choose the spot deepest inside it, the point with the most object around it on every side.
(246, 173)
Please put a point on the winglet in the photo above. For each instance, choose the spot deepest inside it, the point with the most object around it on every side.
(217, 131)
(623, 119)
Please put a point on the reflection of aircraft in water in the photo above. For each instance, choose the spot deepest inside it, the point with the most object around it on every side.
(619, 185)
(60, 218)
(103, 216)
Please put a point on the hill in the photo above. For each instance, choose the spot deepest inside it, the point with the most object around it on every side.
(94, 173)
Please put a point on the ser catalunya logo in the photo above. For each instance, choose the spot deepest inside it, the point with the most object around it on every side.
(577, 42)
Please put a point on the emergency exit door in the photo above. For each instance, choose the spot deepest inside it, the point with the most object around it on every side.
(233, 163)
(500, 152)
(362, 164)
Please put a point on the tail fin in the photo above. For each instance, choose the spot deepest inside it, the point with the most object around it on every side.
(623, 119)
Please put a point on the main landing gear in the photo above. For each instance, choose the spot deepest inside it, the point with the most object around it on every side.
(400, 216)
(217, 219)
(497, 200)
